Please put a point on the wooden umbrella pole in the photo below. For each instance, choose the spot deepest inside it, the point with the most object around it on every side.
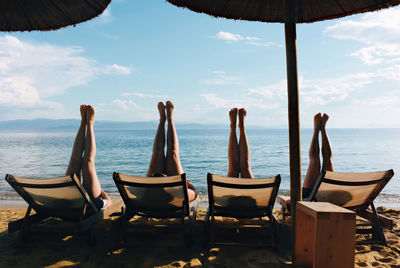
(293, 109)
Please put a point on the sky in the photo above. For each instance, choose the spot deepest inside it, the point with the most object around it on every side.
(138, 53)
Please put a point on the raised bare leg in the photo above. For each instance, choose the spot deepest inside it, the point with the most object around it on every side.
(327, 157)
(245, 168)
(314, 166)
(172, 160)
(233, 147)
(157, 162)
(75, 161)
(90, 180)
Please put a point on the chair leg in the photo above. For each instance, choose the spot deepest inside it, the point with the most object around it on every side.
(283, 211)
(206, 229)
(92, 235)
(376, 225)
(25, 226)
(275, 233)
(124, 226)
(186, 232)
(119, 226)
(116, 231)
(212, 229)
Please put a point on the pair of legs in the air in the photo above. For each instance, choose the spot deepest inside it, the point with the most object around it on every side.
(238, 153)
(83, 154)
(314, 167)
(169, 164)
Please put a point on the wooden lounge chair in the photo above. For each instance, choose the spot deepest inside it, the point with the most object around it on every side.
(240, 199)
(154, 197)
(63, 198)
(354, 191)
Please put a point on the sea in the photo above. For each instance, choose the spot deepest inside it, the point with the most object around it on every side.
(44, 154)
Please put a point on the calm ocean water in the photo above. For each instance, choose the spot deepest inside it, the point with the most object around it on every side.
(46, 154)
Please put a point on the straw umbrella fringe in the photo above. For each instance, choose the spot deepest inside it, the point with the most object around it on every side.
(306, 11)
(45, 15)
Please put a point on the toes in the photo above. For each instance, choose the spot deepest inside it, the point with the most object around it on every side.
(233, 111)
(325, 118)
(169, 104)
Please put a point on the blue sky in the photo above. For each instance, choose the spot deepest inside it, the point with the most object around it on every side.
(140, 52)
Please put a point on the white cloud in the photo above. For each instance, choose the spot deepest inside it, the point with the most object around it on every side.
(220, 78)
(276, 90)
(218, 72)
(126, 104)
(117, 69)
(230, 37)
(217, 102)
(325, 91)
(17, 91)
(48, 69)
(380, 31)
(141, 95)
(31, 72)
(390, 99)
(255, 41)
(258, 42)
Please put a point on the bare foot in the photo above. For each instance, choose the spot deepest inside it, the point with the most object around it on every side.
(105, 196)
(90, 115)
(317, 122)
(83, 114)
(161, 110)
(242, 115)
(169, 106)
(324, 119)
(233, 116)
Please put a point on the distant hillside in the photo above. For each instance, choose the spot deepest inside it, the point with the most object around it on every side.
(72, 124)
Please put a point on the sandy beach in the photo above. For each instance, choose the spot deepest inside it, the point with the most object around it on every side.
(55, 249)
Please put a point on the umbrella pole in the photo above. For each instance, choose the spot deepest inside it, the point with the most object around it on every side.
(293, 113)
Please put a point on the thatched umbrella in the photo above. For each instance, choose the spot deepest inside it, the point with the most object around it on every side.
(45, 15)
(289, 12)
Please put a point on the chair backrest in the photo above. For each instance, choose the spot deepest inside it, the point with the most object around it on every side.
(154, 196)
(350, 190)
(242, 196)
(62, 197)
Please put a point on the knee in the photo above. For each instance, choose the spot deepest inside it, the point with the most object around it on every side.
(191, 195)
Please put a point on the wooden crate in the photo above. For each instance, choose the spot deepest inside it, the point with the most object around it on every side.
(325, 235)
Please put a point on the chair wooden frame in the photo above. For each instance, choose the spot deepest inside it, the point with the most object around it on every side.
(376, 221)
(258, 212)
(86, 217)
(186, 214)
